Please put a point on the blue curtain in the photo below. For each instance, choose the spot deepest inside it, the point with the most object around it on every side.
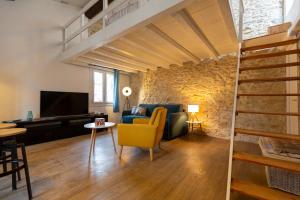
(116, 90)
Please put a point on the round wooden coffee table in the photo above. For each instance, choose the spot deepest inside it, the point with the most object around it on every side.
(108, 125)
(7, 125)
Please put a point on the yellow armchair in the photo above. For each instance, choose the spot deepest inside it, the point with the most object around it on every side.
(145, 133)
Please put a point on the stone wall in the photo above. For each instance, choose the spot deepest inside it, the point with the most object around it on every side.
(258, 16)
(211, 85)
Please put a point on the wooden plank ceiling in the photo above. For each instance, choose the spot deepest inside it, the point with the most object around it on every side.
(201, 30)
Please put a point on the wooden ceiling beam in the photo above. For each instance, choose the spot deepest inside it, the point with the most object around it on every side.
(113, 61)
(129, 55)
(109, 54)
(173, 42)
(150, 52)
(147, 41)
(76, 63)
(188, 19)
(102, 64)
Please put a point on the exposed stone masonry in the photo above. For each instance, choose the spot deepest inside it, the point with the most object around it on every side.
(211, 85)
(258, 16)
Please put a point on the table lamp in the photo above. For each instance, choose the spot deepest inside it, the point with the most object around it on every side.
(126, 91)
(193, 109)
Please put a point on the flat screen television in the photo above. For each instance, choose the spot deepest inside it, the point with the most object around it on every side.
(63, 103)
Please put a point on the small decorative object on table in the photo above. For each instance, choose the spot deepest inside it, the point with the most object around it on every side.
(29, 115)
(100, 121)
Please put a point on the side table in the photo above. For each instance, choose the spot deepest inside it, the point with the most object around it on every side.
(194, 125)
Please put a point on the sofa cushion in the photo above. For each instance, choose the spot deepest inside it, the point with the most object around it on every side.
(172, 108)
(141, 111)
(133, 110)
(129, 118)
(149, 108)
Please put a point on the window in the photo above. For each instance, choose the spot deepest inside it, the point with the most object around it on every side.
(103, 87)
(109, 88)
(98, 87)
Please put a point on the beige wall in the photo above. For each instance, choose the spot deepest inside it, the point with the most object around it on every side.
(30, 39)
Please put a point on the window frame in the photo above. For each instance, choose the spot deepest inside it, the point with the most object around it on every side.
(104, 85)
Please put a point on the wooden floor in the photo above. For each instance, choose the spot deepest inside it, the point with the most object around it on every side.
(191, 167)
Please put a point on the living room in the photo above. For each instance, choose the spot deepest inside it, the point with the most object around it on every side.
(147, 99)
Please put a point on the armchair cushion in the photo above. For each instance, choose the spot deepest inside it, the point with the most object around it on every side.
(140, 135)
(141, 120)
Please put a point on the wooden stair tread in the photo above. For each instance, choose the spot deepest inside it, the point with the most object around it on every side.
(279, 28)
(272, 162)
(270, 45)
(261, 192)
(268, 113)
(268, 55)
(270, 79)
(265, 39)
(267, 134)
(266, 94)
(270, 66)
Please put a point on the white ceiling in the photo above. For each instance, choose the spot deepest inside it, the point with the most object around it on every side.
(76, 3)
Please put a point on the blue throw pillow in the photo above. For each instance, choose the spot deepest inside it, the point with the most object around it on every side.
(140, 111)
(133, 110)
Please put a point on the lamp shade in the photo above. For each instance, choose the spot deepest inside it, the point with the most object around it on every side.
(126, 91)
(193, 108)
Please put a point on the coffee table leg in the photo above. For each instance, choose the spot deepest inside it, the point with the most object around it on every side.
(113, 140)
(92, 142)
(94, 139)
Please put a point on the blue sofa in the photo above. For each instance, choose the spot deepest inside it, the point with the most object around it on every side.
(175, 122)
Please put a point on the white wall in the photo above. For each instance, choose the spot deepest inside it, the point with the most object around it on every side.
(292, 12)
(30, 37)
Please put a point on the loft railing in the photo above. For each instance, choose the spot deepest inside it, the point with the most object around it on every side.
(80, 27)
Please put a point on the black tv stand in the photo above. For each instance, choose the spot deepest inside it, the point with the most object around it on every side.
(47, 129)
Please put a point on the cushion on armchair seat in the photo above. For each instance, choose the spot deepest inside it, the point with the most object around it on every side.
(129, 118)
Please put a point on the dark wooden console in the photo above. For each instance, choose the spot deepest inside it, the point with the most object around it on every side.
(54, 128)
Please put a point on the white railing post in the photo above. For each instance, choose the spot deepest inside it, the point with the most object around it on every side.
(64, 38)
(81, 25)
(104, 15)
(241, 20)
(105, 6)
